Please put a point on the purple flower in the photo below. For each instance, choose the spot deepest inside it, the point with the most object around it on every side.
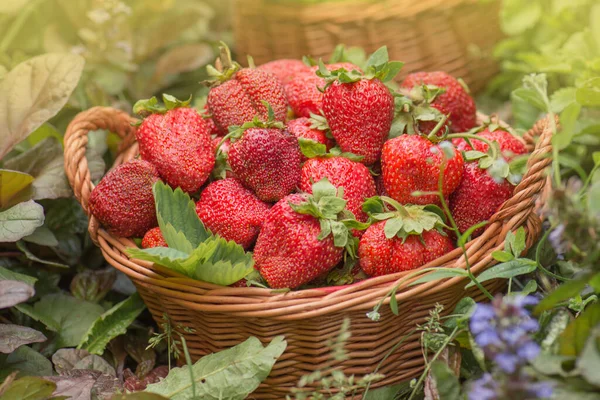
(485, 388)
(502, 330)
(515, 386)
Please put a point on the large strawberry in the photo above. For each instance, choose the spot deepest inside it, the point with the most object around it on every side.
(303, 237)
(454, 102)
(342, 172)
(310, 128)
(286, 69)
(123, 201)
(265, 158)
(231, 211)
(303, 91)
(175, 139)
(359, 107)
(412, 163)
(404, 238)
(154, 238)
(484, 186)
(237, 94)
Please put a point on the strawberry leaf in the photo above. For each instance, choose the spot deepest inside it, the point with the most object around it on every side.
(221, 262)
(149, 106)
(172, 102)
(165, 256)
(311, 148)
(378, 58)
(318, 122)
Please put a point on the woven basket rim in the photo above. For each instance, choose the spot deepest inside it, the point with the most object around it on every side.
(253, 301)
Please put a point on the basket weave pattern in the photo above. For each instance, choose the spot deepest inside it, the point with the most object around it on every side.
(309, 319)
(456, 36)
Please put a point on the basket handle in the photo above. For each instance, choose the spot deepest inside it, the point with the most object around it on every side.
(76, 139)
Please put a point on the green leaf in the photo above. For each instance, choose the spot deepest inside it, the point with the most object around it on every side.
(29, 388)
(13, 183)
(461, 314)
(21, 246)
(440, 274)
(502, 256)
(69, 317)
(42, 236)
(562, 293)
(534, 91)
(14, 292)
(323, 188)
(568, 120)
(20, 221)
(516, 241)
(561, 98)
(379, 57)
(172, 102)
(311, 148)
(573, 340)
(14, 336)
(507, 270)
(596, 157)
(111, 324)
(530, 287)
(249, 362)
(27, 361)
(149, 106)
(517, 16)
(589, 362)
(222, 262)
(7, 274)
(446, 382)
(175, 208)
(50, 79)
(394, 303)
(165, 256)
(589, 93)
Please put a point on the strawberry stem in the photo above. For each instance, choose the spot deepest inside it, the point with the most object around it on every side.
(490, 143)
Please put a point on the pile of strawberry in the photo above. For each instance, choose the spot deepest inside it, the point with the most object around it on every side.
(325, 173)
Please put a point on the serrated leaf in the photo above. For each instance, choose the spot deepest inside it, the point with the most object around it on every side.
(29, 388)
(589, 93)
(379, 57)
(507, 270)
(323, 188)
(573, 339)
(69, 317)
(340, 234)
(11, 184)
(331, 206)
(14, 336)
(224, 264)
(49, 80)
(20, 220)
(392, 227)
(561, 98)
(311, 148)
(249, 362)
(111, 324)
(165, 256)
(175, 207)
(568, 120)
(440, 274)
(14, 292)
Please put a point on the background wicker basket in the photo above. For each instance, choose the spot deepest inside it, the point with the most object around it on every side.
(225, 316)
(456, 36)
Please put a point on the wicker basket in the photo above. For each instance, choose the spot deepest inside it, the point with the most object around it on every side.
(225, 316)
(456, 36)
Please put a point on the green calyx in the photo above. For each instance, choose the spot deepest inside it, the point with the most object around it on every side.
(313, 149)
(149, 106)
(413, 107)
(378, 67)
(403, 221)
(326, 203)
(224, 67)
(236, 132)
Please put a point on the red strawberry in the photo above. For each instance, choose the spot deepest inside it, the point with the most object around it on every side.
(213, 130)
(266, 159)
(405, 238)
(360, 108)
(177, 142)
(154, 238)
(412, 163)
(231, 211)
(455, 102)
(286, 69)
(239, 93)
(381, 256)
(292, 248)
(123, 201)
(305, 128)
(303, 92)
(510, 145)
(479, 194)
(353, 176)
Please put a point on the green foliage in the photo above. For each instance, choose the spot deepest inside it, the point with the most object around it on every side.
(249, 362)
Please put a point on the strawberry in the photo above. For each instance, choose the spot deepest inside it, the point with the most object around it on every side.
(454, 102)
(341, 172)
(154, 238)
(286, 69)
(303, 92)
(484, 187)
(404, 238)
(175, 139)
(265, 158)
(309, 129)
(213, 130)
(237, 93)
(359, 107)
(231, 211)
(123, 201)
(411, 163)
(302, 237)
